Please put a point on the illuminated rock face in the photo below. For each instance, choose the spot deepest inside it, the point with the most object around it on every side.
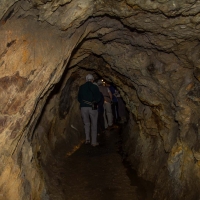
(149, 49)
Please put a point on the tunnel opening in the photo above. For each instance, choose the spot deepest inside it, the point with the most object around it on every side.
(64, 126)
(151, 53)
(61, 124)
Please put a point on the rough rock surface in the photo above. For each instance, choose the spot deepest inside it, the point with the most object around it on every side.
(88, 172)
(149, 49)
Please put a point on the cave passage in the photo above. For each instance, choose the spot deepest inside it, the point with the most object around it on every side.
(100, 173)
(149, 50)
(77, 171)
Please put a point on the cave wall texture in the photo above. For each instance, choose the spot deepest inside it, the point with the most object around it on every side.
(148, 48)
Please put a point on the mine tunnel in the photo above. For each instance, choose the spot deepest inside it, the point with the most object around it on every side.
(148, 49)
(75, 170)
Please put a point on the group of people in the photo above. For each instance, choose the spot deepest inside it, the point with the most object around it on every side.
(101, 108)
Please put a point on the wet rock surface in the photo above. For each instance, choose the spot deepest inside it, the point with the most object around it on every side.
(95, 173)
(148, 49)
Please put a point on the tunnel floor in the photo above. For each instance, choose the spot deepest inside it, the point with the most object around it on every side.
(95, 173)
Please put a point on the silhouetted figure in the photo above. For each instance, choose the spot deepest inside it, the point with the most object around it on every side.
(101, 126)
(89, 93)
(121, 108)
(108, 116)
(114, 104)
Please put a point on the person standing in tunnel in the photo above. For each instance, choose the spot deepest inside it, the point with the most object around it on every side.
(108, 116)
(88, 94)
(100, 121)
(121, 108)
(114, 105)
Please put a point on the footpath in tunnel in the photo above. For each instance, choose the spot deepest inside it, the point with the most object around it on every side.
(95, 173)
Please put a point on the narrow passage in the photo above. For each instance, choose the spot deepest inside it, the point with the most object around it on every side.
(93, 173)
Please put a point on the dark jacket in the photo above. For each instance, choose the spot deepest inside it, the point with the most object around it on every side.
(112, 90)
(88, 92)
(100, 104)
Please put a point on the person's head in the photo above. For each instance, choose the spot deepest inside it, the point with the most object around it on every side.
(100, 82)
(89, 77)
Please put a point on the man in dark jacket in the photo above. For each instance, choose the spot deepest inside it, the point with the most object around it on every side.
(89, 93)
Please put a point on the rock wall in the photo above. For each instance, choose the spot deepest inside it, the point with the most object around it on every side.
(149, 49)
(30, 68)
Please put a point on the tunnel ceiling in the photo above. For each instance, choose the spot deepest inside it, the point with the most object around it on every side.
(168, 26)
(145, 26)
(148, 48)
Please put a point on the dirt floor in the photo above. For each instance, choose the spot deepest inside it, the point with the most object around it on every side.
(95, 173)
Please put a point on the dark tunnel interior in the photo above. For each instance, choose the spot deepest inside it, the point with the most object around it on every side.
(149, 50)
(71, 146)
